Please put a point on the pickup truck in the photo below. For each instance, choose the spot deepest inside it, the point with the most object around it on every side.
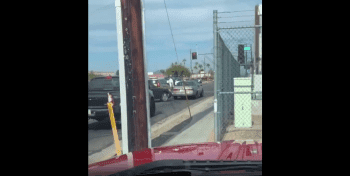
(97, 98)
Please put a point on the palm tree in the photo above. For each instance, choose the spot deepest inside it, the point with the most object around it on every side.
(208, 65)
(184, 61)
(175, 63)
(200, 66)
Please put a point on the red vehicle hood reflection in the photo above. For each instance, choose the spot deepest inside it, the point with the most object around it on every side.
(227, 150)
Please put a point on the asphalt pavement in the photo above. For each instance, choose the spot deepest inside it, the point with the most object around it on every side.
(100, 133)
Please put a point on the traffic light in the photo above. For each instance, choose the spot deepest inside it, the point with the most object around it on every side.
(194, 55)
(241, 54)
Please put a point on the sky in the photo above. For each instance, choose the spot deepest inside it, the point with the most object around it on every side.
(191, 23)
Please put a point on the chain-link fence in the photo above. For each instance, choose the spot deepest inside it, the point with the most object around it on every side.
(236, 86)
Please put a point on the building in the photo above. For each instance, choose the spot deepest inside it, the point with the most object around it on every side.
(102, 73)
(202, 74)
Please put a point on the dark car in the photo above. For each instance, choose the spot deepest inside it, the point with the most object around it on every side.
(97, 98)
(164, 83)
(162, 93)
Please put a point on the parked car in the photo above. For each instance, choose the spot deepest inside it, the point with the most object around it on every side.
(164, 83)
(97, 97)
(154, 81)
(193, 89)
(162, 93)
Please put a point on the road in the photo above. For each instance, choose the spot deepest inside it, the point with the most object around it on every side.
(100, 134)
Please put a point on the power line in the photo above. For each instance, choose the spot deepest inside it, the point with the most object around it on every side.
(171, 31)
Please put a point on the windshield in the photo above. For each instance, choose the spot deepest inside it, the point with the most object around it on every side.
(186, 84)
(212, 52)
(104, 84)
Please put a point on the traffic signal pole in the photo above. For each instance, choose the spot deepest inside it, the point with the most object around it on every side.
(191, 61)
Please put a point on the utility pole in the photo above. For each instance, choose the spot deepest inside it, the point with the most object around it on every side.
(134, 75)
(204, 64)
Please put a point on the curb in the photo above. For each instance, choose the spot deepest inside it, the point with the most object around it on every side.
(168, 123)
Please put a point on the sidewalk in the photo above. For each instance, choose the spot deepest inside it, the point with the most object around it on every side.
(201, 131)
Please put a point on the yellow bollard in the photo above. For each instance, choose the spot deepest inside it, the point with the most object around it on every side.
(114, 129)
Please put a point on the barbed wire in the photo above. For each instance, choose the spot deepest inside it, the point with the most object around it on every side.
(237, 21)
(238, 16)
(237, 11)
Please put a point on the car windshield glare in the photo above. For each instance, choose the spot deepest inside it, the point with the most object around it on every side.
(104, 84)
(186, 84)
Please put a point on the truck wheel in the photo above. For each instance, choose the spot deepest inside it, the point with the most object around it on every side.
(175, 97)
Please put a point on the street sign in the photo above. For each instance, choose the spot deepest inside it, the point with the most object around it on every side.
(246, 48)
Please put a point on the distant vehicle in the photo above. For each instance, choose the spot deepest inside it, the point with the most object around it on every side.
(193, 89)
(164, 83)
(162, 93)
(97, 98)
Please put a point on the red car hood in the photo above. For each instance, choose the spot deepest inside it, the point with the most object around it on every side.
(227, 150)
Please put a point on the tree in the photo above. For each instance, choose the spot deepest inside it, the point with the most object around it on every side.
(162, 71)
(179, 69)
(175, 63)
(208, 65)
(184, 61)
(91, 75)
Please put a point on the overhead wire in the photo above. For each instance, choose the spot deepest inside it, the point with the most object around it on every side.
(171, 31)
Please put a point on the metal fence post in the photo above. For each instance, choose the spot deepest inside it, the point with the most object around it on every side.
(215, 33)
